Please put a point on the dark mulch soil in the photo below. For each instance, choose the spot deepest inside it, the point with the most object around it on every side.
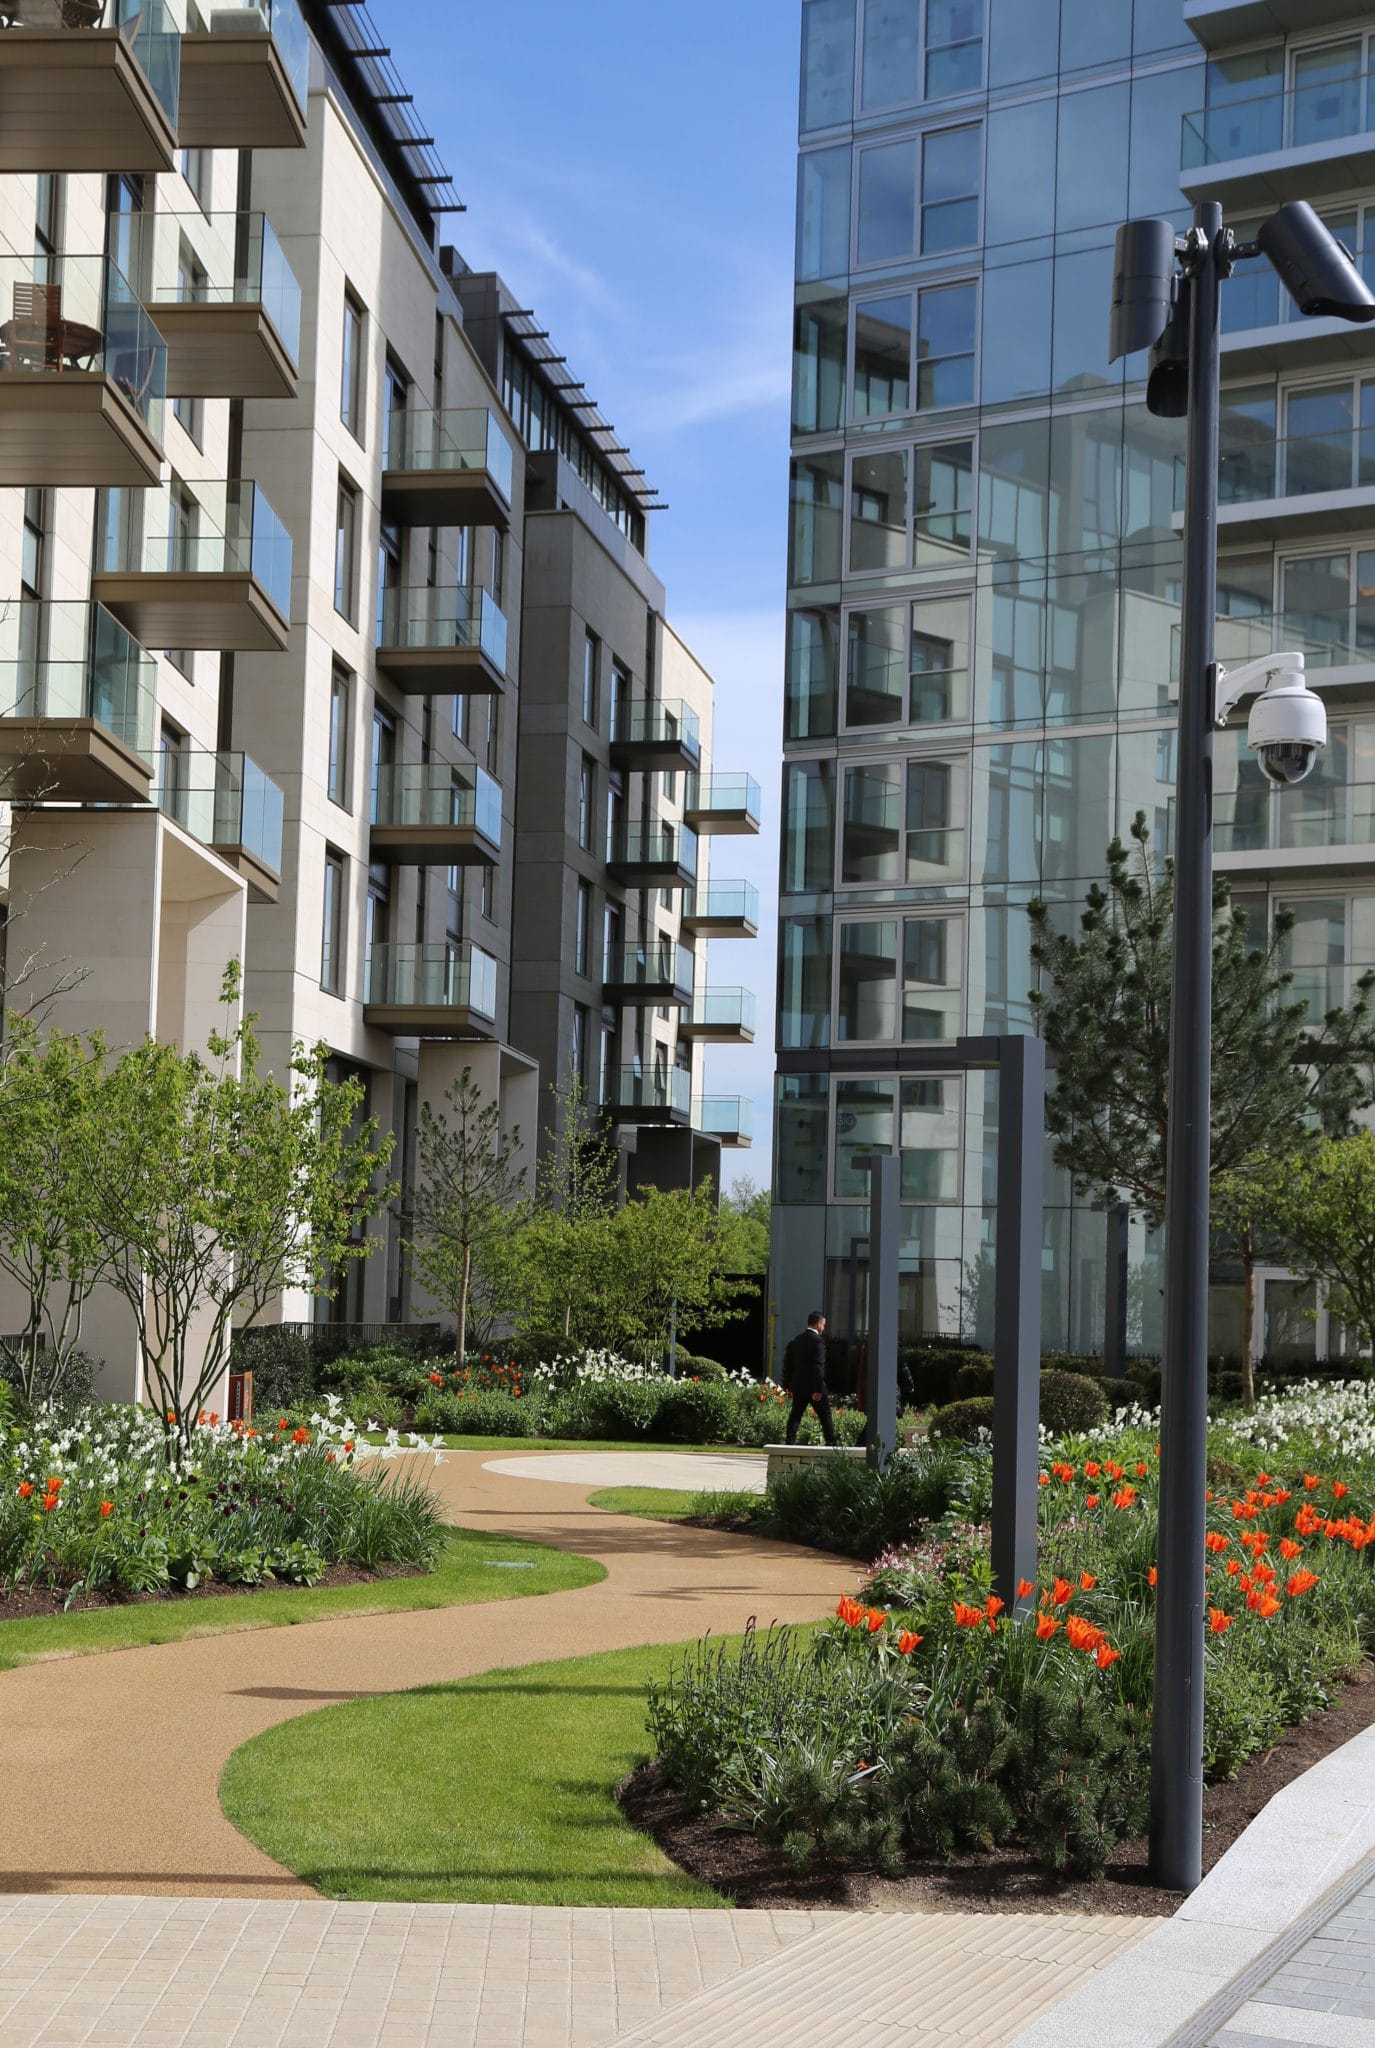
(1007, 1879)
(51, 1600)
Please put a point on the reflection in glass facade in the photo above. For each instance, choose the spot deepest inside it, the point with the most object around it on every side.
(984, 578)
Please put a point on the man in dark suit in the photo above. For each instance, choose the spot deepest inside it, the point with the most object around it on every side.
(804, 1377)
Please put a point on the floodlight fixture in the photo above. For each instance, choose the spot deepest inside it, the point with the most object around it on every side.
(1316, 270)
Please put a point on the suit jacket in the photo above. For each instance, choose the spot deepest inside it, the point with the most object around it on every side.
(808, 1374)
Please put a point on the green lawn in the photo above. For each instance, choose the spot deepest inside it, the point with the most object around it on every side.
(475, 1567)
(650, 1503)
(499, 1788)
(515, 1444)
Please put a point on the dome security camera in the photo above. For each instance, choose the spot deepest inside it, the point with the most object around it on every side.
(1288, 722)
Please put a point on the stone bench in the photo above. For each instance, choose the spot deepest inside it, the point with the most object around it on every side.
(789, 1457)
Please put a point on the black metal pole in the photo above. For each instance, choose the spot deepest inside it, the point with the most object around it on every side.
(885, 1253)
(1017, 1311)
(1176, 1858)
(1115, 1292)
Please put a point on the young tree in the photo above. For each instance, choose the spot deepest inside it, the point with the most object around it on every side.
(670, 1264)
(1241, 1206)
(1323, 1200)
(1104, 1012)
(746, 1214)
(566, 1251)
(467, 1189)
(217, 1188)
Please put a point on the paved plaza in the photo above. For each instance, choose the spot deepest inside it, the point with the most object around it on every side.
(1323, 1997)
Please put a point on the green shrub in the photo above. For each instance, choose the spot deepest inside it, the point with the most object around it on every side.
(934, 1369)
(974, 1380)
(697, 1412)
(691, 1366)
(1085, 1362)
(606, 1408)
(962, 1421)
(839, 1504)
(1071, 1405)
(477, 1414)
(283, 1366)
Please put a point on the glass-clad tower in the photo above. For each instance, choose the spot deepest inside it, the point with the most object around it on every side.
(984, 579)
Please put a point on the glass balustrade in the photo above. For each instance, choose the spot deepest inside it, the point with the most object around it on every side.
(658, 963)
(440, 976)
(728, 1117)
(437, 795)
(1310, 814)
(224, 529)
(1309, 114)
(1340, 638)
(74, 660)
(722, 1009)
(723, 903)
(467, 439)
(440, 619)
(656, 846)
(670, 725)
(710, 794)
(659, 1093)
(62, 316)
(280, 19)
(223, 800)
(218, 259)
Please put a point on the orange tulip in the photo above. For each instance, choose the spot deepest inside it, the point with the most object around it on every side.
(1215, 1540)
(907, 1642)
(849, 1611)
(1301, 1582)
(1087, 1582)
(1218, 1622)
(1025, 1588)
(1090, 1500)
(992, 1606)
(1043, 1479)
(1339, 1490)
(1106, 1655)
(1150, 1576)
(1061, 1592)
(1046, 1625)
(300, 1436)
(875, 1618)
(107, 1507)
(1141, 1470)
(1124, 1497)
(968, 1617)
(1081, 1634)
(25, 1489)
(1311, 1481)
(1092, 1469)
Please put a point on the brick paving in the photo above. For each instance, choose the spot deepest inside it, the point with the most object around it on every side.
(1323, 1997)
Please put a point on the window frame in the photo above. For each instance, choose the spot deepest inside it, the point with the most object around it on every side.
(334, 922)
(902, 914)
(352, 366)
(347, 548)
(918, 138)
(339, 752)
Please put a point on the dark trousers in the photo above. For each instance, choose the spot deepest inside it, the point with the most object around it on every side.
(822, 1404)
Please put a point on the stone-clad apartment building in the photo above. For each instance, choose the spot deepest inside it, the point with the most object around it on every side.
(328, 638)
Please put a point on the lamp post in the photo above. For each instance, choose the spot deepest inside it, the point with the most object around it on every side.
(1175, 313)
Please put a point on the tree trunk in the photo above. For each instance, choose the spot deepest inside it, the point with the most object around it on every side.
(463, 1306)
(567, 1319)
(1248, 1321)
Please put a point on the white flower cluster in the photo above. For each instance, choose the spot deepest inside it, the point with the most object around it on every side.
(1340, 1414)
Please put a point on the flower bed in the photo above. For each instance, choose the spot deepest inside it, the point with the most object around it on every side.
(937, 1722)
(98, 1503)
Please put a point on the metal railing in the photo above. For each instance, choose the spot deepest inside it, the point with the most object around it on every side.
(62, 315)
(1300, 466)
(437, 794)
(424, 616)
(1310, 814)
(72, 660)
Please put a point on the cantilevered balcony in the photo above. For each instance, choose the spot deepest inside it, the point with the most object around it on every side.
(722, 910)
(1223, 24)
(226, 302)
(442, 642)
(245, 75)
(656, 736)
(654, 857)
(1309, 483)
(1263, 331)
(83, 375)
(436, 815)
(228, 803)
(652, 972)
(720, 1016)
(727, 1118)
(1316, 139)
(1311, 828)
(723, 804)
(661, 1097)
(447, 469)
(209, 570)
(78, 706)
(89, 84)
(438, 991)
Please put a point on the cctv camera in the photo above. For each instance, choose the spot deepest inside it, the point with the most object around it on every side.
(1286, 728)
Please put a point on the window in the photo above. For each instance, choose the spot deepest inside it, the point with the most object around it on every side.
(891, 73)
(828, 63)
(619, 699)
(904, 822)
(888, 379)
(928, 1115)
(615, 822)
(606, 1064)
(951, 161)
(613, 924)
(388, 578)
(954, 47)
(35, 528)
(47, 218)
(579, 1045)
(460, 719)
(498, 566)
(486, 892)
(582, 928)
(589, 680)
(898, 978)
(346, 552)
(340, 713)
(193, 289)
(908, 666)
(920, 196)
(124, 200)
(878, 511)
(383, 749)
(587, 788)
(195, 168)
(942, 504)
(377, 929)
(351, 374)
(396, 398)
(823, 214)
(332, 932)
(901, 65)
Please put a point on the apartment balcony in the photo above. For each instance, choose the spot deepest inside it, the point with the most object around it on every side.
(228, 804)
(1308, 484)
(78, 706)
(1264, 332)
(722, 910)
(660, 1097)
(83, 375)
(656, 736)
(438, 991)
(1307, 143)
(225, 301)
(87, 84)
(723, 804)
(655, 972)
(727, 1118)
(654, 857)
(1222, 24)
(1313, 829)
(245, 75)
(720, 1016)
(210, 571)
(436, 815)
(442, 643)
(1338, 644)
(447, 469)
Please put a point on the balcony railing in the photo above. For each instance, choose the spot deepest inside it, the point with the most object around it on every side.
(224, 800)
(209, 261)
(436, 620)
(447, 468)
(727, 1117)
(1309, 815)
(437, 795)
(229, 529)
(68, 320)
(1335, 639)
(1302, 466)
(670, 850)
(433, 977)
(717, 803)
(656, 967)
(727, 1010)
(1305, 116)
(733, 903)
(666, 1095)
(672, 726)
(75, 661)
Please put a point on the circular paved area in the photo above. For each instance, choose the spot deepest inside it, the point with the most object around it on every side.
(680, 1470)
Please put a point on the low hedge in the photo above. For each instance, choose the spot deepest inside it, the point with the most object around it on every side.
(961, 1421)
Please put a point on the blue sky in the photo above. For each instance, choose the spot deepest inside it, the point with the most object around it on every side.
(629, 168)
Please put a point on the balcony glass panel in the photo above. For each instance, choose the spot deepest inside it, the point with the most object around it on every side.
(436, 618)
(1254, 296)
(653, 963)
(223, 800)
(64, 315)
(1300, 466)
(280, 19)
(724, 1008)
(438, 976)
(151, 29)
(656, 846)
(219, 259)
(669, 724)
(725, 793)
(664, 1091)
(738, 901)
(227, 529)
(724, 1116)
(1255, 821)
(436, 794)
(76, 661)
(1329, 101)
(466, 439)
